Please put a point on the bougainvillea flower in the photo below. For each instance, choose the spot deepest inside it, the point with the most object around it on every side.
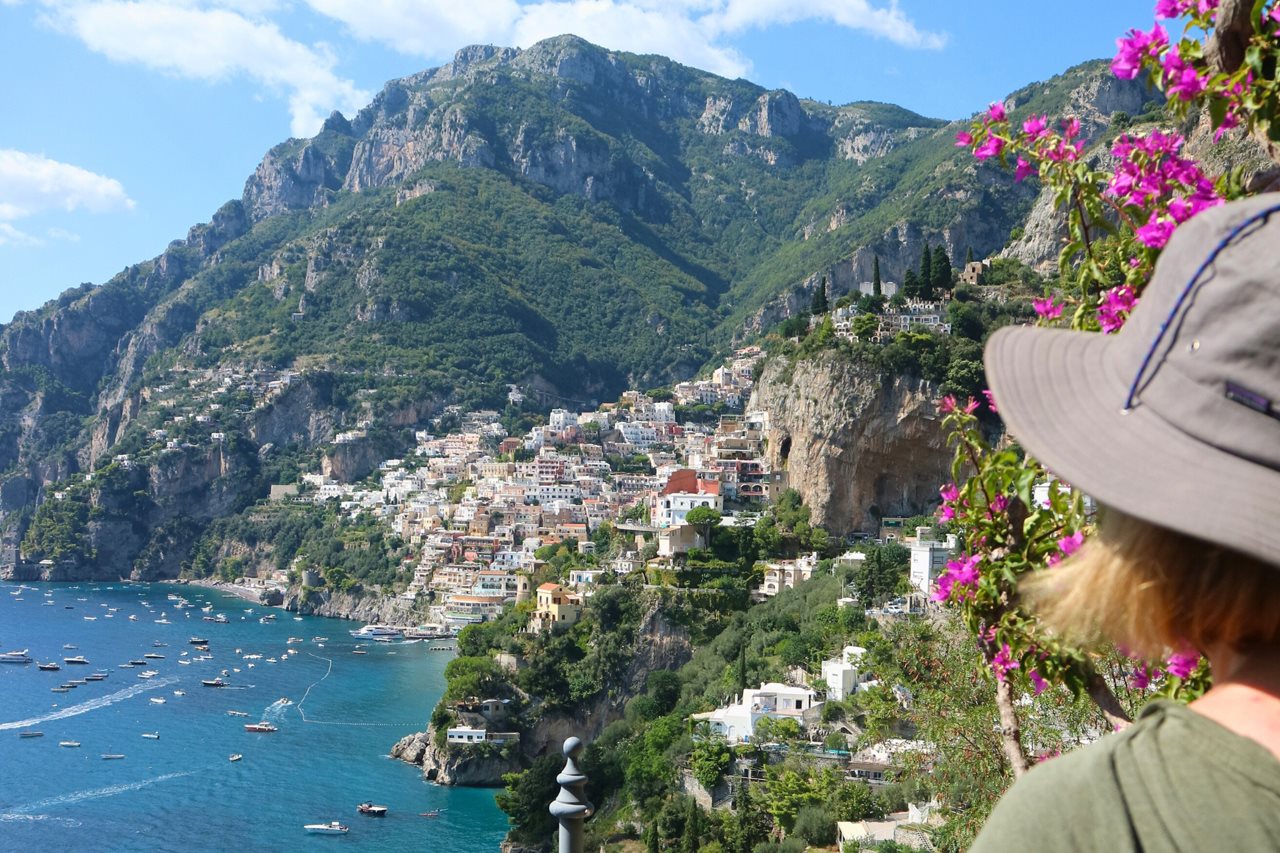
(991, 400)
(1023, 170)
(964, 140)
(1183, 663)
(996, 112)
(990, 147)
(1003, 661)
(1037, 682)
(1047, 308)
(1116, 305)
(1130, 51)
(947, 404)
(949, 492)
(1156, 232)
(1068, 545)
(1143, 675)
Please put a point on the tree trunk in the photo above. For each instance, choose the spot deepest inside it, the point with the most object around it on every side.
(1102, 696)
(1011, 730)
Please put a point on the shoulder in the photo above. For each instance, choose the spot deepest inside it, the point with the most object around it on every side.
(1065, 804)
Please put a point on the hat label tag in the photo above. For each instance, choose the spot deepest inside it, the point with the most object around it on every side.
(1252, 399)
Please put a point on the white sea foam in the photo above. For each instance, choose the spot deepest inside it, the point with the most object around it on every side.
(91, 705)
(11, 817)
(96, 793)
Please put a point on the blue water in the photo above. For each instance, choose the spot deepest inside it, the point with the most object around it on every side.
(181, 792)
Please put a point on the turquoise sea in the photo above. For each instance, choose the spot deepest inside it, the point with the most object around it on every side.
(338, 714)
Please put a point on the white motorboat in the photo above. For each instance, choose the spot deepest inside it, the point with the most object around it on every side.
(69, 744)
(330, 828)
(151, 735)
(15, 657)
(375, 631)
(80, 659)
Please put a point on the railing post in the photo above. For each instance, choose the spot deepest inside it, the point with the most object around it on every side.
(571, 807)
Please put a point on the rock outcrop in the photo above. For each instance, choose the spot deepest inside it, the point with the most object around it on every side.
(464, 765)
(360, 606)
(857, 444)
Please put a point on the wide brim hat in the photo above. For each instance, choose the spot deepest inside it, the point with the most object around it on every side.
(1175, 419)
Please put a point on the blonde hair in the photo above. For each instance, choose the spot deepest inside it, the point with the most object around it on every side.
(1155, 591)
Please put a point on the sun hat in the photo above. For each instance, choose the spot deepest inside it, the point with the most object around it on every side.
(1175, 419)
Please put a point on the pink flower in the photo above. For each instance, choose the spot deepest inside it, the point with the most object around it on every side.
(1003, 662)
(1156, 232)
(1037, 681)
(1183, 664)
(946, 513)
(1047, 308)
(964, 140)
(959, 580)
(991, 400)
(990, 147)
(1022, 169)
(1036, 126)
(996, 112)
(1047, 755)
(1181, 79)
(1143, 675)
(998, 504)
(949, 493)
(1071, 128)
(1131, 51)
(970, 406)
(947, 404)
(1068, 545)
(1116, 305)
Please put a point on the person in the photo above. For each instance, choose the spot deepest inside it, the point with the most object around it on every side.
(1173, 426)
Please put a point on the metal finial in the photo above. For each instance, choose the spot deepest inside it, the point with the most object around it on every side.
(570, 807)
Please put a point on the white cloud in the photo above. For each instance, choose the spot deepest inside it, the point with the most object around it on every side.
(62, 234)
(692, 31)
(10, 236)
(216, 44)
(32, 184)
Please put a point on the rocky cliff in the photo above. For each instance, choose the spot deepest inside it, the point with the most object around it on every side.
(361, 607)
(856, 443)
(453, 765)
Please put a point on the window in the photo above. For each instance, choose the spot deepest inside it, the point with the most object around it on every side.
(799, 706)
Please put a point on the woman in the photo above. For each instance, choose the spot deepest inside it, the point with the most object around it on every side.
(1173, 426)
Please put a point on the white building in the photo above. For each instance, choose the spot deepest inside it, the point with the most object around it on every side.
(928, 559)
(845, 674)
(776, 701)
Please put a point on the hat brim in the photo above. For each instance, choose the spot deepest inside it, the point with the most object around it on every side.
(1061, 395)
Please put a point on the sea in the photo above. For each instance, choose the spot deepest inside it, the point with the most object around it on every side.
(337, 712)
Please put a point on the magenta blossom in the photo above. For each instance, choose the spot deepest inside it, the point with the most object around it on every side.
(1036, 126)
(964, 140)
(996, 112)
(1143, 675)
(991, 400)
(1183, 664)
(1068, 545)
(959, 580)
(1003, 662)
(1116, 305)
(1047, 308)
(949, 493)
(998, 504)
(1130, 51)
(1181, 79)
(947, 404)
(990, 147)
(1023, 170)
(1037, 681)
(1156, 232)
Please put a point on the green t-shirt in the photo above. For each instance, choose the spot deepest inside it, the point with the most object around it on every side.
(1173, 781)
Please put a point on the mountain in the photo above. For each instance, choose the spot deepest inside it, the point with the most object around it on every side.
(567, 219)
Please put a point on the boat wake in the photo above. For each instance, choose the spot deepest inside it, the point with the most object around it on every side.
(92, 794)
(13, 817)
(275, 711)
(91, 705)
(306, 719)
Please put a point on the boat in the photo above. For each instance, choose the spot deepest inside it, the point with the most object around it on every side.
(185, 662)
(97, 676)
(91, 618)
(373, 631)
(60, 689)
(237, 713)
(78, 659)
(30, 734)
(52, 666)
(179, 693)
(151, 673)
(203, 647)
(156, 644)
(133, 617)
(112, 756)
(69, 744)
(76, 681)
(151, 735)
(153, 656)
(359, 652)
(157, 700)
(15, 657)
(235, 756)
(263, 727)
(330, 828)
(197, 641)
(372, 810)
(295, 640)
(70, 646)
(162, 621)
(213, 682)
(138, 662)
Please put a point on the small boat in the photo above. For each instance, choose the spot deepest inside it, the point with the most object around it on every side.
(78, 659)
(213, 682)
(359, 652)
(235, 756)
(295, 640)
(15, 657)
(157, 700)
(197, 641)
(67, 685)
(202, 648)
(128, 665)
(153, 656)
(151, 735)
(60, 689)
(162, 621)
(69, 744)
(330, 828)
(372, 810)
(237, 713)
(52, 666)
(112, 756)
(91, 618)
(138, 662)
(179, 693)
(133, 617)
(70, 646)
(184, 663)
(95, 677)
(263, 727)
(156, 644)
(76, 681)
(30, 734)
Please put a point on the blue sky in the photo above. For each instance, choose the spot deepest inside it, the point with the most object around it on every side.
(127, 121)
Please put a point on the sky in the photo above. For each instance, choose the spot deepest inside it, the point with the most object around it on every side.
(124, 122)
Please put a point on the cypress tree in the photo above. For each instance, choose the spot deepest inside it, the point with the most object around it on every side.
(911, 285)
(819, 305)
(926, 273)
(876, 289)
(968, 255)
(742, 669)
(940, 274)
